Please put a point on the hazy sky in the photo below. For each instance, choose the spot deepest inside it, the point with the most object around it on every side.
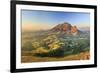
(32, 19)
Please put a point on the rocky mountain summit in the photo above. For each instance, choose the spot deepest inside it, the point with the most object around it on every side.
(66, 28)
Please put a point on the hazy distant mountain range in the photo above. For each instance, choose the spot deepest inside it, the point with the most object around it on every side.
(63, 28)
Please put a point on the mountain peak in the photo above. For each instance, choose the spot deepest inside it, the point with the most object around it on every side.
(62, 27)
(65, 27)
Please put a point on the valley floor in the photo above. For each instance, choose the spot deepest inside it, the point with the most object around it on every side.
(81, 56)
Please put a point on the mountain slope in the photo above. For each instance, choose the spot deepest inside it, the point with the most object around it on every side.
(66, 28)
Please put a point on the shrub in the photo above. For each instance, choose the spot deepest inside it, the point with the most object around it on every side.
(52, 53)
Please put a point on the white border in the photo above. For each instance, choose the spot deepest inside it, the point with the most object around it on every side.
(20, 65)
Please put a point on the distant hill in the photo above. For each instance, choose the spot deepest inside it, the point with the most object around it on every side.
(66, 28)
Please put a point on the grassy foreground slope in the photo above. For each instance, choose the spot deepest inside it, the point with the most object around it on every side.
(80, 56)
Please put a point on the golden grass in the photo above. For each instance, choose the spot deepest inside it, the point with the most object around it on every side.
(81, 56)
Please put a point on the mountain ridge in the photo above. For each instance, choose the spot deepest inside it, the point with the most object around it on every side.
(66, 28)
